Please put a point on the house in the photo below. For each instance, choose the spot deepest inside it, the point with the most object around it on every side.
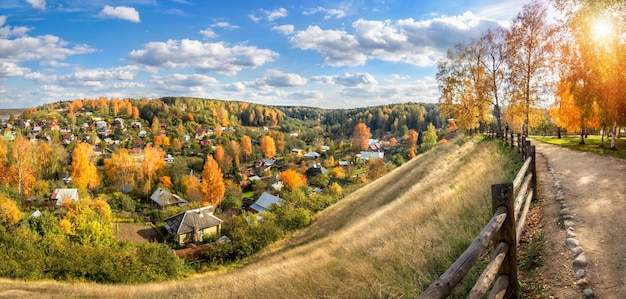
(193, 225)
(343, 163)
(169, 158)
(372, 155)
(314, 170)
(265, 201)
(162, 198)
(312, 155)
(62, 195)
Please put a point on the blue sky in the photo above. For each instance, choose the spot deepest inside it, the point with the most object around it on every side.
(329, 54)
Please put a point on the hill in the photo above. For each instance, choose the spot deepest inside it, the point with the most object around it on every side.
(389, 239)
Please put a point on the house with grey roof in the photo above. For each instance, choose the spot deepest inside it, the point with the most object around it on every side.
(191, 226)
(162, 198)
(265, 201)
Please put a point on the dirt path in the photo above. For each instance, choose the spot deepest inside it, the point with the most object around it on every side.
(594, 194)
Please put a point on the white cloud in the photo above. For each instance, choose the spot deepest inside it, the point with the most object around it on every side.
(358, 79)
(302, 95)
(284, 29)
(120, 12)
(277, 78)
(184, 80)
(208, 33)
(269, 15)
(37, 4)
(224, 25)
(203, 57)
(9, 69)
(237, 86)
(45, 47)
(330, 12)
(7, 31)
(419, 43)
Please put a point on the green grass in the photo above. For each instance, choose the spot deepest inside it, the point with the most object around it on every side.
(592, 145)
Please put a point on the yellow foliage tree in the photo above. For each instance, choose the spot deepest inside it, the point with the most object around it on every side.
(246, 146)
(292, 179)
(212, 183)
(267, 147)
(84, 173)
(121, 169)
(10, 213)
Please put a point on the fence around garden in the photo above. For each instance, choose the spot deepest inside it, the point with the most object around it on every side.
(510, 205)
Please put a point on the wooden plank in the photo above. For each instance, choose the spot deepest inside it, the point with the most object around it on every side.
(444, 285)
(521, 193)
(520, 175)
(522, 219)
(499, 288)
(487, 278)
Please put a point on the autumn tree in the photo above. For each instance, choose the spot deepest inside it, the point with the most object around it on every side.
(212, 183)
(292, 179)
(84, 172)
(235, 152)
(192, 188)
(154, 159)
(411, 141)
(121, 169)
(21, 170)
(494, 43)
(528, 57)
(430, 138)
(246, 147)
(360, 137)
(10, 213)
(376, 168)
(279, 140)
(267, 147)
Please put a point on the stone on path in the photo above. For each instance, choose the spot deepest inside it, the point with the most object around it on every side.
(571, 242)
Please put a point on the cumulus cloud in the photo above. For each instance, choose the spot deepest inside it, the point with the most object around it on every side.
(45, 47)
(277, 78)
(269, 15)
(37, 4)
(330, 12)
(203, 57)
(120, 12)
(184, 80)
(358, 79)
(95, 77)
(237, 87)
(419, 43)
(9, 69)
(8, 31)
(208, 33)
(302, 95)
(284, 29)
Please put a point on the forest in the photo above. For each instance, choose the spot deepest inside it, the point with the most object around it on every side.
(116, 155)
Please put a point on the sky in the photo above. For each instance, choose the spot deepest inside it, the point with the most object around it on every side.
(327, 54)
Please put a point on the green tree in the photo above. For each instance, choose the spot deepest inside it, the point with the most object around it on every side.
(430, 138)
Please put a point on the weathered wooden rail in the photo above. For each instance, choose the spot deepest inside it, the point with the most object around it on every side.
(510, 205)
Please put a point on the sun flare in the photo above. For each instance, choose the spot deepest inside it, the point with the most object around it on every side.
(602, 29)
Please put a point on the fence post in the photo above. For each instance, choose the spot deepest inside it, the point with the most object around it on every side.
(512, 140)
(502, 195)
(519, 143)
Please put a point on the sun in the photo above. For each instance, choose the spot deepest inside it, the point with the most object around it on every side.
(601, 29)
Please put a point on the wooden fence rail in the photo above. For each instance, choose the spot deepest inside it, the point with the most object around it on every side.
(510, 204)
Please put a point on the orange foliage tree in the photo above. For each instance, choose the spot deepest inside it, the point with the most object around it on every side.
(267, 147)
(292, 179)
(154, 159)
(212, 183)
(84, 173)
(21, 171)
(360, 137)
(411, 141)
(246, 146)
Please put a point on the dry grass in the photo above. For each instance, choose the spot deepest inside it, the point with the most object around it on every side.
(389, 239)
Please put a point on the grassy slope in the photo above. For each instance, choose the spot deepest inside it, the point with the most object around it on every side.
(384, 240)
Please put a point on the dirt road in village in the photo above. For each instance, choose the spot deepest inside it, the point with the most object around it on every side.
(594, 195)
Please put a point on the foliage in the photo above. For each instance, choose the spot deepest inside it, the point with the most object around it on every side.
(121, 169)
(360, 137)
(84, 173)
(10, 213)
(153, 160)
(212, 184)
(267, 147)
(292, 179)
(430, 139)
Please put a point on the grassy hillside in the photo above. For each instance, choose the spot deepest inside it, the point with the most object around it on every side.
(389, 239)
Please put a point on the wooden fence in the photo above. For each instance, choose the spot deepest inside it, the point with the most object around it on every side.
(505, 229)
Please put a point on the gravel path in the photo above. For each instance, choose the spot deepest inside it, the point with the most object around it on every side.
(584, 207)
